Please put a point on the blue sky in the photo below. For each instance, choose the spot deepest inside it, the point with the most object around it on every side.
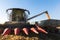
(34, 6)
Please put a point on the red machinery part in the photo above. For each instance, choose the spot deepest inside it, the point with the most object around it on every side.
(25, 31)
(41, 30)
(7, 31)
(16, 31)
(34, 30)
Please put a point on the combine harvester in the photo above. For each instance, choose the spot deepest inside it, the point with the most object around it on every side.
(18, 24)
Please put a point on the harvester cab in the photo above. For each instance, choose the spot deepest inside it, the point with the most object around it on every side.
(17, 15)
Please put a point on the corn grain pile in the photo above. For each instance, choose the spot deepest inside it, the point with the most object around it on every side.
(17, 37)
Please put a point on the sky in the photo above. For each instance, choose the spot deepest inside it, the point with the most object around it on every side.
(34, 6)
